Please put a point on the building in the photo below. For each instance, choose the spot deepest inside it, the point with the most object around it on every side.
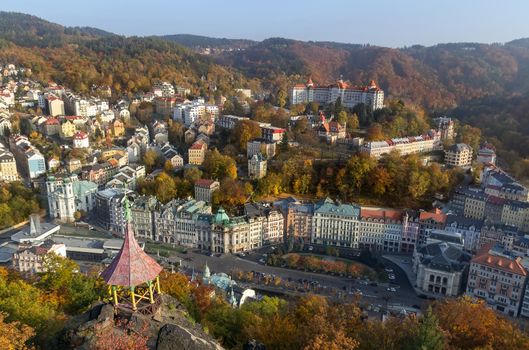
(404, 145)
(191, 112)
(331, 131)
(80, 140)
(8, 165)
(67, 130)
(380, 229)
(32, 258)
(176, 222)
(108, 208)
(36, 233)
(350, 96)
(470, 230)
(229, 121)
(270, 221)
(262, 146)
(197, 153)
(441, 269)
(54, 105)
(459, 155)
(335, 224)
(52, 126)
(164, 105)
(118, 128)
(204, 189)
(67, 194)
(498, 183)
(31, 163)
(499, 279)
(446, 128)
(170, 154)
(257, 166)
(272, 133)
(487, 154)
(299, 219)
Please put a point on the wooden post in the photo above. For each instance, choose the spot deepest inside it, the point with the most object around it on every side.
(133, 297)
(115, 295)
(149, 283)
(158, 285)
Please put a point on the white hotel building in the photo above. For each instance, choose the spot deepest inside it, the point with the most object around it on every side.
(350, 95)
(405, 145)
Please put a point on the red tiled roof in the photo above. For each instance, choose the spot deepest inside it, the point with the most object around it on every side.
(132, 266)
(80, 135)
(52, 121)
(197, 145)
(204, 182)
(436, 215)
(500, 262)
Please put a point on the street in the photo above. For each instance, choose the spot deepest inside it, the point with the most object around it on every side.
(372, 293)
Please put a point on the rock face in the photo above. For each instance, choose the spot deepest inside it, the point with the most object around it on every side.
(167, 329)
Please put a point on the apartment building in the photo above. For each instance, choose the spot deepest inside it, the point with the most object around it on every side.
(459, 155)
(204, 189)
(499, 279)
(405, 145)
(335, 224)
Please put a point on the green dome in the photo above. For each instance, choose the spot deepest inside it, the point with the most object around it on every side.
(221, 217)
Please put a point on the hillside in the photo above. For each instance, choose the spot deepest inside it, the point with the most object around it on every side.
(437, 77)
(80, 57)
(198, 41)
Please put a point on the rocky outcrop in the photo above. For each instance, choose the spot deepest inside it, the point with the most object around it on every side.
(167, 329)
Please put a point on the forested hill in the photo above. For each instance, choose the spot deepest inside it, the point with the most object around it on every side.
(200, 42)
(437, 77)
(81, 56)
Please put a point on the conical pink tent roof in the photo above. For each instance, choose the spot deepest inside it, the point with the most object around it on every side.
(132, 266)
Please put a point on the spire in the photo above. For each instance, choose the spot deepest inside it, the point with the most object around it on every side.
(132, 266)
(309, 82)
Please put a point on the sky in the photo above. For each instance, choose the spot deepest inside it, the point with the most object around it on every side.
(392, 23)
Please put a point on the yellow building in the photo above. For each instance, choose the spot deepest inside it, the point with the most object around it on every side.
(196, 153)
(67, 129)
(118, 128)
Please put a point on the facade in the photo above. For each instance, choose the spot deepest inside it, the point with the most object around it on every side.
(499, 279)
(257, 166)
(380, 229)
(331, 131)
(197, 153)
(299, 219)
(164, 105)
(68, 194)
(229, 121)
(31, 163)
(31, 259)
(8, 165)
(80, 140)
(197, 111)
(441, 269)
(272, 133)
(176, 222)
(487, 155)
(262, 146)
(55, 105)
(405, 145)
(350, 96)
(204, 189)
(67, 130)
(335, 224)
(459, 155)
(446, 128)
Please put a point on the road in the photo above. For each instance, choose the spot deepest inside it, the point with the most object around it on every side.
(372, 294)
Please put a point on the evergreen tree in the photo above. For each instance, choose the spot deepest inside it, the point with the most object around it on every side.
(428, 335)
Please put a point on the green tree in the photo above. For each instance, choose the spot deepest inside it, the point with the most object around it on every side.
(244, 131)
(429, 336)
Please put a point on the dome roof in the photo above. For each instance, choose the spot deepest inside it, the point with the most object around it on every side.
(221, 217)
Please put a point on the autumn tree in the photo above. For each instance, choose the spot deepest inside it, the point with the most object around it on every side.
(244, 131)
(219, 166)
(14, 335)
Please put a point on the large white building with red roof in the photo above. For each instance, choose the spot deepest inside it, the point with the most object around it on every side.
(350, 95)
(405, 145)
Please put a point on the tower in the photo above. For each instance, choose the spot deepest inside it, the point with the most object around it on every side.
(133, 276)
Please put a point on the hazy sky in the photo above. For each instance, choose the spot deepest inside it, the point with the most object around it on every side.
(392, 23)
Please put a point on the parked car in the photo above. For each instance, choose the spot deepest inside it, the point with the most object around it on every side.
(391, 289)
